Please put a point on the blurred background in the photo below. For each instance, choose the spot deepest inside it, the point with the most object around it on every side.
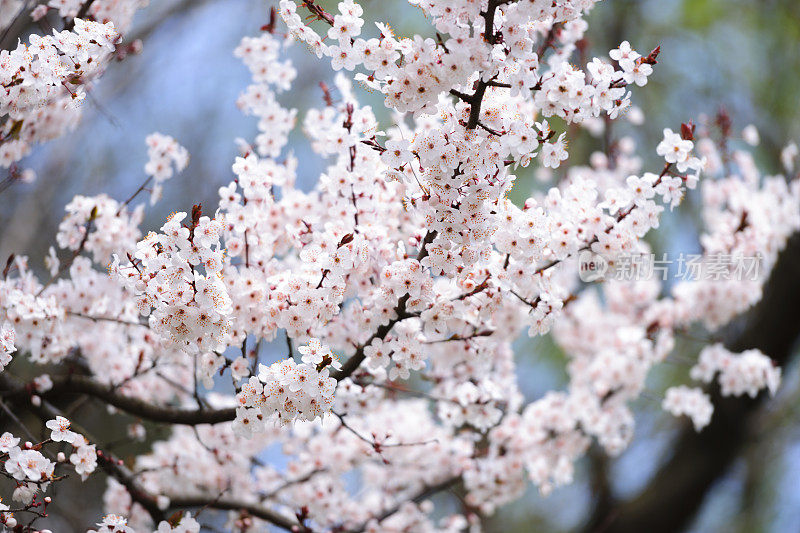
(740, 54)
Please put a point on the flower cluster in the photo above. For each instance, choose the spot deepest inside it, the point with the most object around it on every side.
(292, 391)
(112, 523)
(476, 405)
(411, 260)
(34, 472)
(691, 402)
(186, 524)
(84, 457)
(163, 153)
(744, 373)
(40, 78)
(746, 215)
(100, 225)
(175, 276)
(413, 74)
(36, 320)
(45, 82)
(28, 465)
(7, 336)
(270, 75)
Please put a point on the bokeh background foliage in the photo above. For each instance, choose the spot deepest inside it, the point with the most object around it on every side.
(740, 54)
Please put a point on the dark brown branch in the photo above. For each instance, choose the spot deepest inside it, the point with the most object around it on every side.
(475, 106)
(475, 100)
(227, 504)
(352, 364)
(133, 406)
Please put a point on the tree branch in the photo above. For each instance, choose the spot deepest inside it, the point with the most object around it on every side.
(150, 502)
(227, 504)
(133, 406)
(119, 472)
(475, 100)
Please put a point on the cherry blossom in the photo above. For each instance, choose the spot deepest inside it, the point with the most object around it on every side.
(744, 373)
(46, 80)
(364, 326)
(7, 336)
(163, 153)
(691, 402)
(60, 430)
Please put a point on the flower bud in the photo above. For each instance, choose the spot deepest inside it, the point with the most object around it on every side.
(687, 131)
